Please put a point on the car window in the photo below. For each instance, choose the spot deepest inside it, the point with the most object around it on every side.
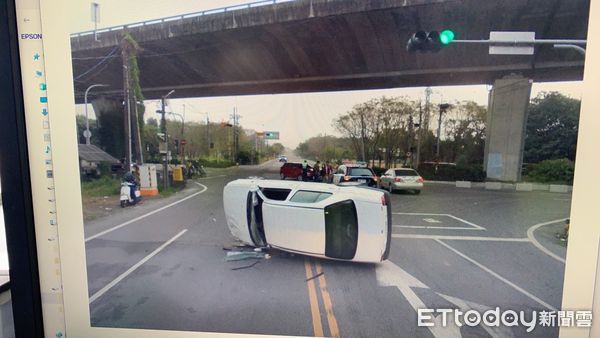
(360, 172)
(406, 172)
(341, 230)
(275, 193)
(309, 196)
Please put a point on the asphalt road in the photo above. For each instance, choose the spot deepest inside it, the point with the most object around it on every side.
(160, 265)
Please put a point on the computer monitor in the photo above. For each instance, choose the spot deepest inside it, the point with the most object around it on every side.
(304, 168)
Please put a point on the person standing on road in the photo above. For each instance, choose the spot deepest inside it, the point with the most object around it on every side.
(304, 170)
(317, 171)
(327, 171)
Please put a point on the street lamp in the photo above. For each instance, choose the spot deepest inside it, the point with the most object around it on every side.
(86, 133)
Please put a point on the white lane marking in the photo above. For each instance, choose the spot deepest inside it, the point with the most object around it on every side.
(447, 215)
(102, 233)
(506, 281)
(466, 222)
(208, 178)
(464, 305)
(538, 245)
(431, 220)
(435, 227)
(461, 238)
(102, 291)
(390, 274)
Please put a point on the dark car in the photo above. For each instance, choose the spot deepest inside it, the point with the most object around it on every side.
(294, 171)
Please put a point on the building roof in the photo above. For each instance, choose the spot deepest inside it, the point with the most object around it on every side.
(91, 153)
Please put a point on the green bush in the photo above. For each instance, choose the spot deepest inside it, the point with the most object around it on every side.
(552, 171)
(103, 186)
(215, 163)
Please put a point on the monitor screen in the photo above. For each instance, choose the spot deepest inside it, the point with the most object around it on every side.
(306, 168)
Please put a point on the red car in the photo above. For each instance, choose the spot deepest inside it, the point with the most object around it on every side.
(294, 170)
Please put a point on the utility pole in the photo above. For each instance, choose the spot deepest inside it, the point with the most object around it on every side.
(419, 136)
(127, 101)
(207, 136)
(362, 136)
(443, 108)
(163, 129)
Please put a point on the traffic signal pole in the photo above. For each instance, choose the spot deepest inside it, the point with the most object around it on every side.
(500, 42)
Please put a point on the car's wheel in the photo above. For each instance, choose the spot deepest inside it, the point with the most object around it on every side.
(123, 204)
(417, 192)
(299, 178)
(282, 176)
(390, 189)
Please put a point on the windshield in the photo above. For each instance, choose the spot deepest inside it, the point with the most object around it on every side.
(360, 172)
(406, 172)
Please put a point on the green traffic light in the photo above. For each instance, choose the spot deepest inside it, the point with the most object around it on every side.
(446, 37)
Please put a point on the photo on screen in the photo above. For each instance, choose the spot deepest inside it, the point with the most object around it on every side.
(328, 168)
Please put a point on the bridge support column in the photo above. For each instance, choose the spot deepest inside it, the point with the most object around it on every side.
(109, 114)
(505, 128)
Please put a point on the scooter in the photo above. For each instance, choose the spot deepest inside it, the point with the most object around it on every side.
(126, 199)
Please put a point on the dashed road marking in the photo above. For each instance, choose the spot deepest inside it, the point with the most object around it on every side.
(102, 291)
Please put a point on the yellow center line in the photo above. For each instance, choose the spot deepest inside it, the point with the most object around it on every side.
(333, 326)
(314, 303)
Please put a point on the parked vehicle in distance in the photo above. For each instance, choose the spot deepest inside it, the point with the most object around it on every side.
(401, 179)
(294, 171)
(283, 158)
(315, 219)
(355, 174)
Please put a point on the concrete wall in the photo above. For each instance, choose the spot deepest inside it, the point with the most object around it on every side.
(505, 128)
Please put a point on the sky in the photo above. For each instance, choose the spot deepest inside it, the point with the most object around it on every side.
(296, 116)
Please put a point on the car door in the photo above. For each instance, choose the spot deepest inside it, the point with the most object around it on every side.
(295, 224)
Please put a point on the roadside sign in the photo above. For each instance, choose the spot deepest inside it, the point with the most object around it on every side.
(260, 133)
(271, 135)
(511, 43)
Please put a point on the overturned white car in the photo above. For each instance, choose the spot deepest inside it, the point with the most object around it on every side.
(316, 219)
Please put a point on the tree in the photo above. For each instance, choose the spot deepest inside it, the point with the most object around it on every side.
(552, 127)
(465, 131)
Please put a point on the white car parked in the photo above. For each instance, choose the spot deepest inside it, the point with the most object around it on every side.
(401, 179)
(315, 219)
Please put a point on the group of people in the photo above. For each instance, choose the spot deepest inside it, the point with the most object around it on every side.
(321, 172)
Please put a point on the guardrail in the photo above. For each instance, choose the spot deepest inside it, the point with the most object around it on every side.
(183, 16)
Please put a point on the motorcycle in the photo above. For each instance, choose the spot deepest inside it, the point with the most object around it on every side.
(126, 199)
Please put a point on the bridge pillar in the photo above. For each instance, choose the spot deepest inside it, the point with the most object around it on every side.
(109, 114)
(505, 128)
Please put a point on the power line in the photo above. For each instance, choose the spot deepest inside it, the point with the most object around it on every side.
(98, 64)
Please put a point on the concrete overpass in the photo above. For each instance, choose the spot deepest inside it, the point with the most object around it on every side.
(330, 45)
(334, 45)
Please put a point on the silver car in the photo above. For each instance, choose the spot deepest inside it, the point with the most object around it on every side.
(401, 179)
